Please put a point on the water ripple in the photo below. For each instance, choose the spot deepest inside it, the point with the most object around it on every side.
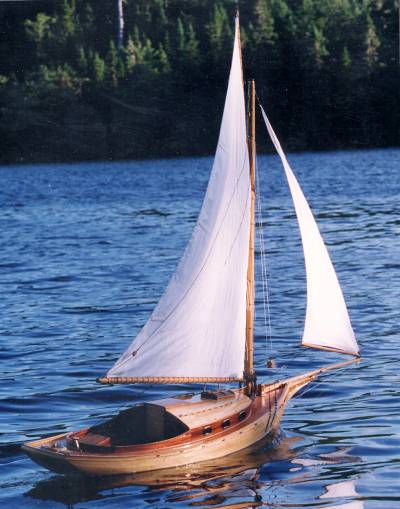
(87, 251)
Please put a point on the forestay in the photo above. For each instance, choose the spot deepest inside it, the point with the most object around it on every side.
(327, 323)
(198, 326)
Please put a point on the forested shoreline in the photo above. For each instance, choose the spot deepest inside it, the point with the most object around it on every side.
(85, 80)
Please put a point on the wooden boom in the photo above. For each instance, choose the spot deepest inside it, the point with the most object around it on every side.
(330, 349)
(166, 379)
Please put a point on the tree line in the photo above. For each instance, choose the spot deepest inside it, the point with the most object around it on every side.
(139, 78)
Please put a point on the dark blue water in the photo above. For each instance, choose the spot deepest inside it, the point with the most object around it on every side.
(86, 251)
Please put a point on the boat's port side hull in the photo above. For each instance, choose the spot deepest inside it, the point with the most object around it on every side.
(263, 418)
(191, 451)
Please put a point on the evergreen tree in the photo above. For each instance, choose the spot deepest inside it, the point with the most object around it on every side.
(264, 29)
(372, 42)
(346, 59)
(187, 53)
(220, 33)
(112, 65)
(130, 55)
(330, 65)
(97, 68)
(39, 31)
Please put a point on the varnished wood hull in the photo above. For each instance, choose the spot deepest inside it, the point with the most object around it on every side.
(105, 464)
(265, 412)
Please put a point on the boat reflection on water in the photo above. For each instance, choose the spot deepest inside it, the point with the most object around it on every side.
(237, 481)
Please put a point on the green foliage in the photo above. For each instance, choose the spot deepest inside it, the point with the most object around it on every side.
(97, 68)
(220, 32)
(330, 65)
(52, 89)
(130, 55)
(40, 28)
(82, 61)
(372, 42)
(264, 30)
(40, 32)
(346, 59)
(187, 53)
(67, 18)
(320, 50)
(147, 58)
(3, 80)
(112, 65)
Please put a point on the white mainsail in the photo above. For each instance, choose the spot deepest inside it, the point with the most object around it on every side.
(327, 323)
(198, 327)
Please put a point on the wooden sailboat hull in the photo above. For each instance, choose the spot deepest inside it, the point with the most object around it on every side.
(102, 464)
(263, 418)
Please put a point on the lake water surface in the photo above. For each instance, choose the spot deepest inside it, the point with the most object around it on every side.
(86, 250)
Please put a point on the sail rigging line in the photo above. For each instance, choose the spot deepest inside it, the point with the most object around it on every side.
(313, 387)
(276, 373)
(174, 309)
(264, 272)
(264, 269)
(299, 395)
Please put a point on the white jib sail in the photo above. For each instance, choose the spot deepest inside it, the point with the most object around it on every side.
(198, 327)
(327, 323)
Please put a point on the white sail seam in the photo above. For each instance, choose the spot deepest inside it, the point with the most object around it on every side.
(240, 226)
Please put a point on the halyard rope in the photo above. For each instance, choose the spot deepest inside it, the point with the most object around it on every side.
(264, 274)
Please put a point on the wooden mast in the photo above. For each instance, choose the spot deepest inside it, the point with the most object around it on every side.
(249, 373)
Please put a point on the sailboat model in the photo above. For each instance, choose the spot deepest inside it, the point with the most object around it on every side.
(201, 331)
